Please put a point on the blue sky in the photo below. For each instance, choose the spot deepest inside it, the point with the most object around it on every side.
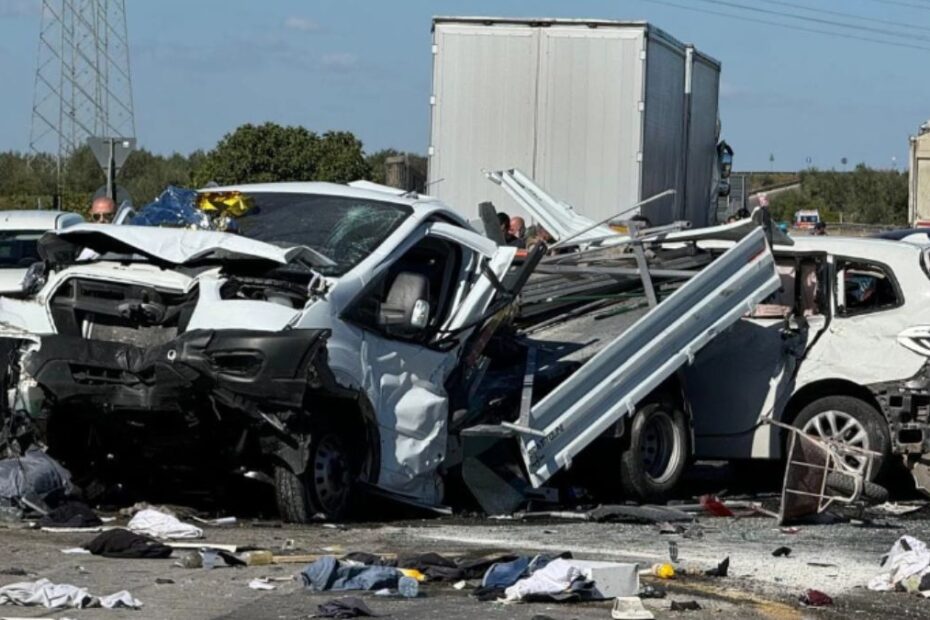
(202, 67)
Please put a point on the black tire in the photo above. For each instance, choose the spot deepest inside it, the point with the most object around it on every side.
(325, 490)
(868, 418)
(874, 493)
(656, 453)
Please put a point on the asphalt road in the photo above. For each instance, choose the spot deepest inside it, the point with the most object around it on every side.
(758, 585)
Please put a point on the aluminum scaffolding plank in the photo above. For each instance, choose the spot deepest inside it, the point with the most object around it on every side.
(614, 381)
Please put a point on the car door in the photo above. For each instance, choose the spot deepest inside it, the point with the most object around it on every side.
(404, 367)
(748, 372)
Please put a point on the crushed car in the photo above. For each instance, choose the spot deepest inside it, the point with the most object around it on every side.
(335, 341)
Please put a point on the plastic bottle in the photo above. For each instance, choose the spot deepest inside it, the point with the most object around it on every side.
(408, 587)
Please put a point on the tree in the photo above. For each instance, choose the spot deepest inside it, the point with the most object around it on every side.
(864, 196)
(270, 153)
(339, 158)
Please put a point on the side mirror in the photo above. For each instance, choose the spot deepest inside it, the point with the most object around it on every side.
(406, 310)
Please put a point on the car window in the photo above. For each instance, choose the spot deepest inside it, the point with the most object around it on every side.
(344, 229)
(19, 248)
(436, 262)
(867, 288)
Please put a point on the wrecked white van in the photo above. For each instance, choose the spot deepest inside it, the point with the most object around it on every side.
(333, 344)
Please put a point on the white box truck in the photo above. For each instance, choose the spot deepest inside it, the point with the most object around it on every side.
(600, 113)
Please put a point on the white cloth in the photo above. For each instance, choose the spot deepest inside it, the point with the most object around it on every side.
(908, 557)
(555, 577)
(53, 595)
(160, 525)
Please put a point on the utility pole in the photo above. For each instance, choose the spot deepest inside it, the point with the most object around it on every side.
(83, 87)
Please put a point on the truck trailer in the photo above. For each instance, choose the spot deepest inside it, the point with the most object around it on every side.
(602, 113)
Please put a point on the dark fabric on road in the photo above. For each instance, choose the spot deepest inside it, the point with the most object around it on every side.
(122, 543)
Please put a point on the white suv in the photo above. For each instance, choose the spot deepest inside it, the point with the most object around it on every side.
(841, 350)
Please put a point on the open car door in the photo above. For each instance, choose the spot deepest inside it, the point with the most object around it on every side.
(613, 382)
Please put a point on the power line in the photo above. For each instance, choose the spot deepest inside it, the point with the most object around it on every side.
(922, 7)
(847, 15)
(816, 20)
(841, 35)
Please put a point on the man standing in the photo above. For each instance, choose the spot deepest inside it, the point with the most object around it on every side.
(102, 210)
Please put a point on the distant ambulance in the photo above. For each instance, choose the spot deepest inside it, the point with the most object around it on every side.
(806, 219)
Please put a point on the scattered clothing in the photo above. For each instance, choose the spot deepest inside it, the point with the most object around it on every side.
(157, 524)
(71, 514)
(505, 574)
(328, 573)
(347, 607)
(556, 579)
(436, 567)
(815, 598)
(782, 552)
(53, 596)
(685, 606)
(907, 558)
(33, 475)
(120, 543)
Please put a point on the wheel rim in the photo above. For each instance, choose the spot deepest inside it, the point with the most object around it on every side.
(659, 446)
(842, 428)
(331, 474)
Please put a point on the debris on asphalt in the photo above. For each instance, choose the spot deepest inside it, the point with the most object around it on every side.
(713, 506)
(610, 579)
(815, 598)
(898, 509)
(71, 514)
(630, 608)
(346, 607)
(782, 552)
(621, 513)
(50, 595)
(559, 580)
(908, 558)
(75, 551)
(163, 581)
(34, 478)
(662, 571)
(685, 606)
(159, 524)
(120, 543)
(328, 574)
(651, 591)
(673, 551)
(261, 584)
(721, 570)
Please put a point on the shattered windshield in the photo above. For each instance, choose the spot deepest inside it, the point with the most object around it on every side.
(19, 248)
(344, 229)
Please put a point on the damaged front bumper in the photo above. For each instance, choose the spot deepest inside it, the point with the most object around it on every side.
(243, 369)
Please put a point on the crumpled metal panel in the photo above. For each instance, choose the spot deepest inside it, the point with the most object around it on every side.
(614, 381)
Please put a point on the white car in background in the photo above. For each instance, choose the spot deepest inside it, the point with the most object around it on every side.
(19, 236)
(842, 350)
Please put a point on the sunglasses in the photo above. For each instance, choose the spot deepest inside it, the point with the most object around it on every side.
(101, 217)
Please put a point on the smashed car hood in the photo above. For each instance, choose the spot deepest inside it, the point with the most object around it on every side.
(171, 245)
